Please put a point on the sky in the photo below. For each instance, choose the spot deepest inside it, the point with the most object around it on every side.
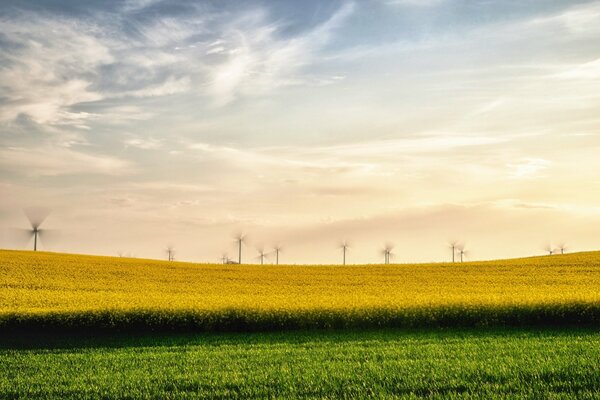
(147, 123)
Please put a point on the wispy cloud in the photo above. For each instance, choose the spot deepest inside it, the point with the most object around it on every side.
(136, 5)
(586, 71)
(52, 161)
(171, 85)
(48, 67)
(528, 168)
(143, 143)
(579, 19)
(53, 63)
(259, 59)
(413, 3)
(365, 158)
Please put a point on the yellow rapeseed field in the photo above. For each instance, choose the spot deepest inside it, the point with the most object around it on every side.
(49, 287)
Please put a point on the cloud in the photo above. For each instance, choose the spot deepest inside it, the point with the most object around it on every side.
(137, 5)
(171, 86)
(413, 3)
(259, 59)
(48, 68)
(585, 71)
(418, 143)
(224, 151)
(515, 203)
(578, 20)
(163, 186)
(52, 161)
(143, 143)
(369, 158)
(116, 114)
(52, 64)
(375, 156)
(343, 191)
(528, 168)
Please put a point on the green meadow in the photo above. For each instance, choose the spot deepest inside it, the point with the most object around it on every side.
(456, 363)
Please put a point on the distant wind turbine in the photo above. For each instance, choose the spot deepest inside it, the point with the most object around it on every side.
(453, 245)
(549, 249)
(462, 252)
(240, 239)
(261, 255)
(344, 246)
(36, 216)
(224, 258)
(170, 253)
(387, 252)
(277, 249)
(562, 247)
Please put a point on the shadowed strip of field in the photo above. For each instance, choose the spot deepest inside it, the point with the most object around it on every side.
(249, 320)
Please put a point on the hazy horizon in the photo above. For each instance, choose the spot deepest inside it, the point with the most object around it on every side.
(148, 123)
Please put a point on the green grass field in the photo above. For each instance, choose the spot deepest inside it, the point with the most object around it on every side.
(482, 364)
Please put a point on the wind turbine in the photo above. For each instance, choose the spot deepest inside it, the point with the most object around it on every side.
(240, 239)
(562, 247)
(453, 245)
(170, 253)
(387, 252)
(462, 252)
(277, 249)
(549, 249)
(224, 258)
(385, 255)
(344, 246)
(261, 255)
(36, 216)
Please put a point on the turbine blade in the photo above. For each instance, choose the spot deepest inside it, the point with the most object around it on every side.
(49, 237)
(36, 215)
(344, 243)
(239, 236)
(19, 236)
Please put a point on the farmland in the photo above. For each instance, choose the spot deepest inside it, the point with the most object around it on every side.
(458, 363)
(60, 291)
(79, 327)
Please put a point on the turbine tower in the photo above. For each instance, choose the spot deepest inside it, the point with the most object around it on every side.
(344, 246)
(170, 253)
(240, 239)
(453, 245)
(277, 249)
(462, 252)
(261, 255)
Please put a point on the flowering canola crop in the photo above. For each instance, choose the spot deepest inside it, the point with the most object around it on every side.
(62, 290)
